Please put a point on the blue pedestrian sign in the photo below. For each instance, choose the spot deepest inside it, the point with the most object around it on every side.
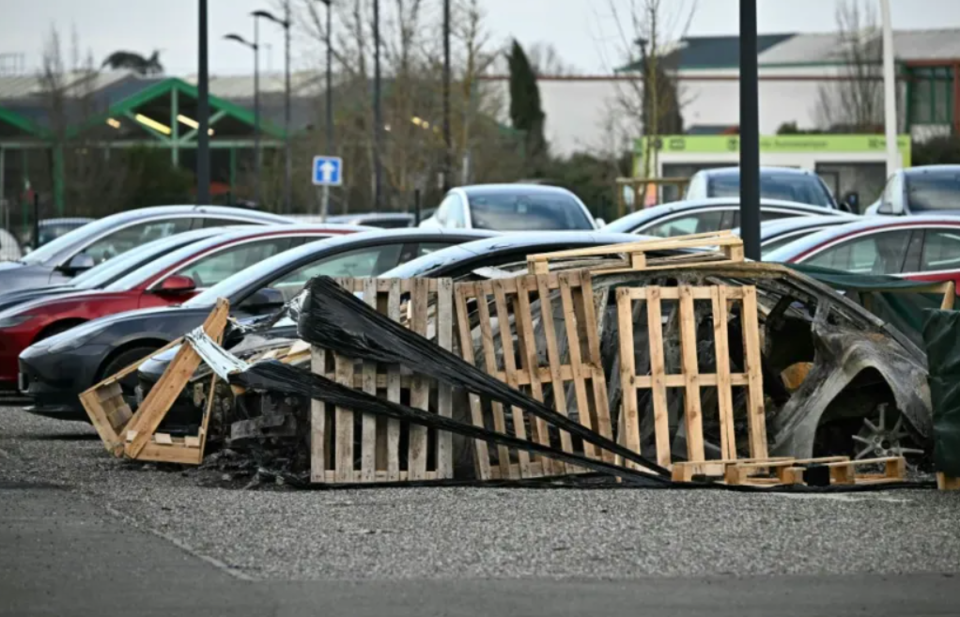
(327, 170)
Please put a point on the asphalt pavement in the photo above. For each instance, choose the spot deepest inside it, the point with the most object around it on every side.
(82, 533)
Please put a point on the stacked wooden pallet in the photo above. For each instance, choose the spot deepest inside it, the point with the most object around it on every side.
(778, 471)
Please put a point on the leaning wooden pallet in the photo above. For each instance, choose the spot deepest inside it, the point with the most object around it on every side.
(351, 447)
(504, 312)
(715, 247)
(134, 435)
(721, 298)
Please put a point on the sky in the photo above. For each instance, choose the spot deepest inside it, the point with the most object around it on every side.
(583, 32)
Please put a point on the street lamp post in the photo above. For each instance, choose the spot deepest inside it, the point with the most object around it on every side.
(203, 112)
(255, 46)
(749, 132)
(325, 200)
(288, 164)
(447, 164)
(377, 112)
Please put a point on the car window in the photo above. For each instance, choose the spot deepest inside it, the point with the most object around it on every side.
(785, 239)
(881, 253)
(215, 222)
(122, 240)
(934, 190)
(211, 269)
(457, 218)
(700, 222)
(941, 250)
(527, 212)
(362, 262)
(797, 187)
(442, 214)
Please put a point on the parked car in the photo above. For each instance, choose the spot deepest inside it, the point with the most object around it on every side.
(922, 248)
(51, 229)
(383, 220)
(55, 370)
(9, 247)
(920, 190)
(109, 271)
(171, 279)
(706, 215)
(774, 234)
(783, 183)
(83, 248)
(511, 207)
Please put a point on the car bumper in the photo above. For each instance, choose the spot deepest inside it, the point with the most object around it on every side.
(54, 384)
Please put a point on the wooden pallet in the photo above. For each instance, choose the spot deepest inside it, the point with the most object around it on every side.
(134, 435)
(532, 335)
(347, 447)
(779, 471)
(721, 298)
(719, 248)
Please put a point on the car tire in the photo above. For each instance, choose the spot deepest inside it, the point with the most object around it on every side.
(122, 361)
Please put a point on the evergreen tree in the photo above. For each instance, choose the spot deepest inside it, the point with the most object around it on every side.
(526, 113)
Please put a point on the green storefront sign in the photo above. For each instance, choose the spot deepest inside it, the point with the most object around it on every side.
(777, 144)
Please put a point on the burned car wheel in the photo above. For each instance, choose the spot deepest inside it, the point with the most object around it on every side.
(881, 432)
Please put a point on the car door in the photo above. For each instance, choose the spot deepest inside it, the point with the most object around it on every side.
(217, 265)
(684, 223)
(940, 256)
(882, 252)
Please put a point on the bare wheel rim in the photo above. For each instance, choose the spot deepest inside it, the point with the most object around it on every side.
(885, 437)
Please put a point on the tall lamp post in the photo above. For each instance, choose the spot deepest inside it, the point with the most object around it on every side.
(287, 156)
(447, 163)
(377, 112)
(325, 203)
(203, 111)
(255, 46)
(749, 132)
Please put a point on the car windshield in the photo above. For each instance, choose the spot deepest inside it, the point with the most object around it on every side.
(112, 269)
(802, 188)
(937, 190)
(52, 248)
(527, 212)
(49, 233)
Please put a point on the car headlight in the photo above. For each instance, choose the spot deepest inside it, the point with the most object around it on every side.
(12, 321)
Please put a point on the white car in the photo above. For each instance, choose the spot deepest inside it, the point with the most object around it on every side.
(511, 207)
(926, 189)
(784, 183)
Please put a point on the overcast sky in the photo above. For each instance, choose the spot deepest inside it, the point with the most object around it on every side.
(582, 31)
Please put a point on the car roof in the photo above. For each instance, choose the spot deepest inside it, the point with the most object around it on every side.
(925, 169)
(772, 229)
(504, 189)
(638, 218)
(76, 220)
(731, 171)
(869, 223)
(506, 243)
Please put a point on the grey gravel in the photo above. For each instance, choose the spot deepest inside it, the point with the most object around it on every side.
(278, 533)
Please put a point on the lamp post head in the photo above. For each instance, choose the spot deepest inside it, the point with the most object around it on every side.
(271, 17)
(241, 40)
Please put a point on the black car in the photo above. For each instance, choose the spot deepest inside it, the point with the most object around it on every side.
(56, 370)
(81, 249)
(109, 271)
(461, 262)
(706, 215)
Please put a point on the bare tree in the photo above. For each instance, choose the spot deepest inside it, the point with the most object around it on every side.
(854, 102)
(548, 62)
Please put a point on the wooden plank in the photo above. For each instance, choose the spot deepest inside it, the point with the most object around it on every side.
(574, 351)
(947, 483)
(530, 360)
(318, 421)
(949, 296)
(588, 326)
(170, 454)
(658, 382)
(465, 335)
(136, 365)
(444, 325)
(420, 391)
(673, 293)
(757, 421)
(728, 438)
(162, 439)
(108, 435)
(553, 357)
(509, 366)
(343, 450)
(704, 240)
(630, 425)
(393, 387)
(679, 381)
(490, 364)
(163, 394)
(368, 422)
(692, 417)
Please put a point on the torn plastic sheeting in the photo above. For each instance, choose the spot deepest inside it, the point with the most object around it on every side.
(335, 319)
(274, 376)
(216, 357)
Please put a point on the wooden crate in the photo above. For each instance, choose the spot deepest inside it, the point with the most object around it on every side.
(351, 447)
(134, 435)
(531, 337)
(720, 247)
(690, 379)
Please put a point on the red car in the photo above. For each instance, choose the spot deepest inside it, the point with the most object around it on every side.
(172, 279)
(921, 248)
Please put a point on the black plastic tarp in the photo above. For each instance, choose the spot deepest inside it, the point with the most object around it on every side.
(941, 333)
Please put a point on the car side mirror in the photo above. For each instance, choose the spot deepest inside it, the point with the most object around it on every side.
(263, 300)
(176, 284)
(78, 263)
(600, 222)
